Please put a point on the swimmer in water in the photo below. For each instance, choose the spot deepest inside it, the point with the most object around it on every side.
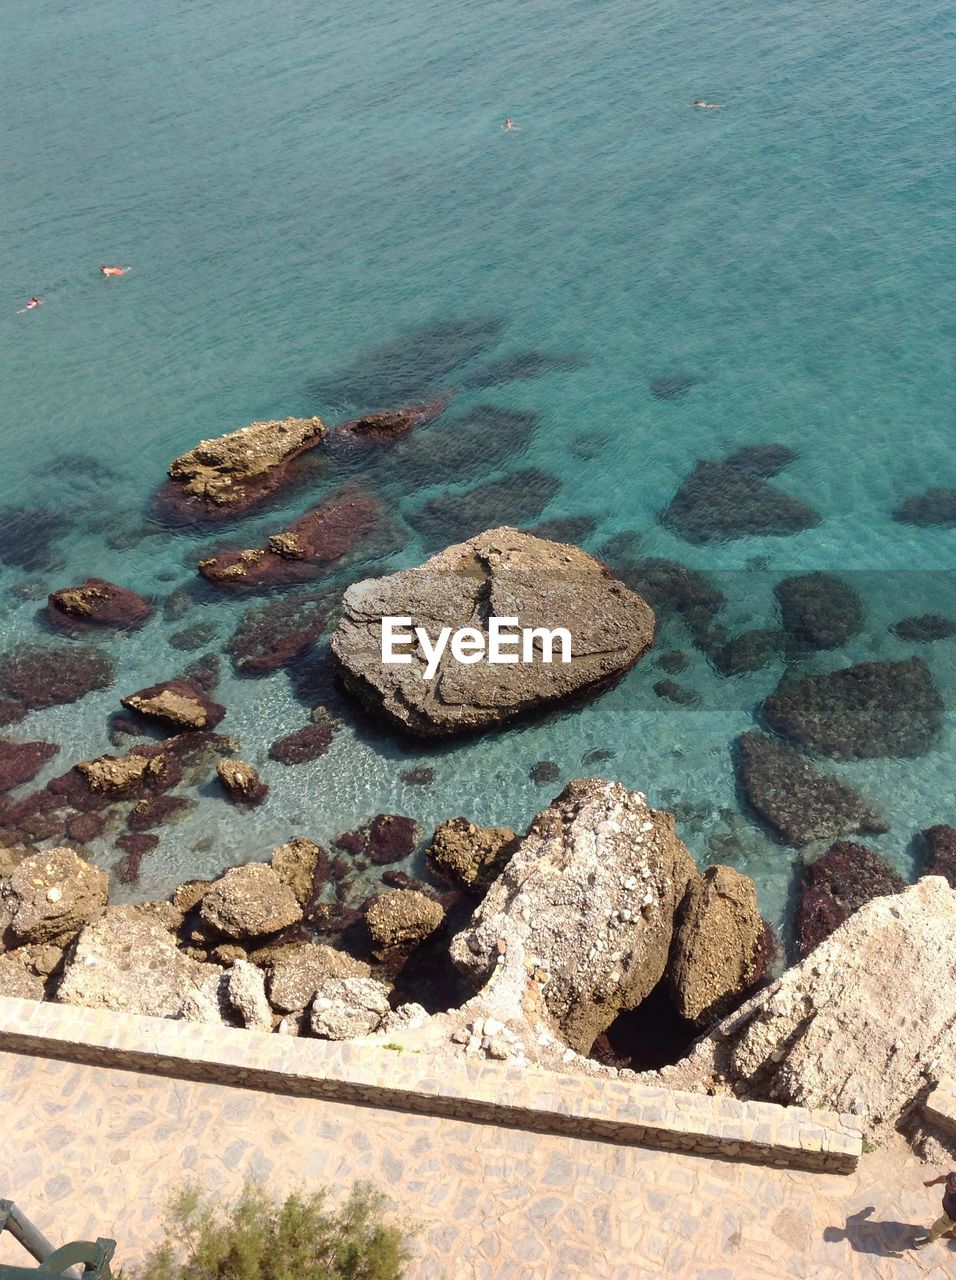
(705, 106)
(31, 305)
(509, 124)
(114, 271)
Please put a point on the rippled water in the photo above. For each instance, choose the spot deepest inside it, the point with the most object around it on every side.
(323, 215)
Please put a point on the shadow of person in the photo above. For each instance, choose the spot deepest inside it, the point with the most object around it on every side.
(887, 1239)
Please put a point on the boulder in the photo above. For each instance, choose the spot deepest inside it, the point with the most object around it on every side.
(863, 1022)
(578, 926)
(501, 573)
(716, 952)
(934, 508)
(20, 762)
(820, 610)
(177, 703)
(303, 866)
(302, 745)
(798, 801)
(400, 919)
(97, 603)
(231, 473)
(131, 964)
(241, 782)
(297, 972)
(246, 993)
(344, 1008)
(868, 710)
(464, 854)
(249, 902)
(380, 428)
(53, 894)
(33, 677)
(17, 980)
(306, 550)
(924, 628)
(939, 852)
(120, 777)
(208, 1002)
(835, 885)
(719, 502)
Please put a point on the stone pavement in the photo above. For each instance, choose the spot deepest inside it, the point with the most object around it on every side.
(90, 1150)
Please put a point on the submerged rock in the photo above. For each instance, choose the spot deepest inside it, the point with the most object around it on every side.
(935, 507)
(400, 919)
(464, 854)
(716, 953)
(718, 502)
(799, 802)
(578, 926)
(749, 651)
(227, 475)
(672, 386)
(501, 573)
(868, 710)
(249, 902)
(379, 428)
(20, 762)
(242, 782)
(518, 498)
(820, 609)
(306, 550)
(834, 886)
(762, 459)
(308, 743)
(275, 635)
(177, 703)
(671, 589)
(35, 677)
(53, 894)
(925, 627)
(939, 852)
(97, 603)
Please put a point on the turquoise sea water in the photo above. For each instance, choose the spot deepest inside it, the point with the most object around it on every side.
(323, 215)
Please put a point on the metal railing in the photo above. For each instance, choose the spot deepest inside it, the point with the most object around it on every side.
(81, 1258)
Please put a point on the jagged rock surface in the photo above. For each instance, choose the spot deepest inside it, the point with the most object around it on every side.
(249, 902)
(400, 919)
(348, 1007)
(466, 854)
(53, 894)
(297, 972)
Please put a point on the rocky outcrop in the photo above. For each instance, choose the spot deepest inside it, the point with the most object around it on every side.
(177, 703)
(719, 502)
(129, 963)
(869, 710)
(939, 852)
(249, 902)
(798, 801)
(859, 1026)
(820, 610)
(224, 476)
(579, 924)
(506, 574)
(716, 953)
(468, 856)
(17, 979)
(344, 1008)
(246, 993)
(380, 428)
(838, 883)
(242, 782)
(33, 677)
(53, 894)
(297, 972)
(400, 919)
(120, 777)
(303, 865)
(97, 603)
(20, 762)
(305, 551)
(934, 508)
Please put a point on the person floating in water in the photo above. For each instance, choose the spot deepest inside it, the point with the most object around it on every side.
(31, 305)
(705, 106)
(945, 1225)
(114, 271)
(509, 124)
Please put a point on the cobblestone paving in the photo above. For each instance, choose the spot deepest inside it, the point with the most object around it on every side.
(90, 1151)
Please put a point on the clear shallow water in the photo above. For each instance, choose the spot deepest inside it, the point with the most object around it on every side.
(324, 215)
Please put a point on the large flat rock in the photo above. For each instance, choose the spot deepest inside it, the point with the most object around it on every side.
(500, 573)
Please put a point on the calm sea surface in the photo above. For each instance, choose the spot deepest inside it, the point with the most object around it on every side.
(323, 215)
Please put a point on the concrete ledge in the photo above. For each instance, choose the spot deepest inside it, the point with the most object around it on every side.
(501, 1094)
(940, 1106)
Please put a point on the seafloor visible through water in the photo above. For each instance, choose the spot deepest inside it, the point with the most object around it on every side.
(323, 215)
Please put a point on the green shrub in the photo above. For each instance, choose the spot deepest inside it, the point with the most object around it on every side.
(257, 1238)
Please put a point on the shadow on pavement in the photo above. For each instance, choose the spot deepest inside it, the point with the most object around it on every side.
(886, 1239)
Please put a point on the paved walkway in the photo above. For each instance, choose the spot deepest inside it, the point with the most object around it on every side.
(90, 1151)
